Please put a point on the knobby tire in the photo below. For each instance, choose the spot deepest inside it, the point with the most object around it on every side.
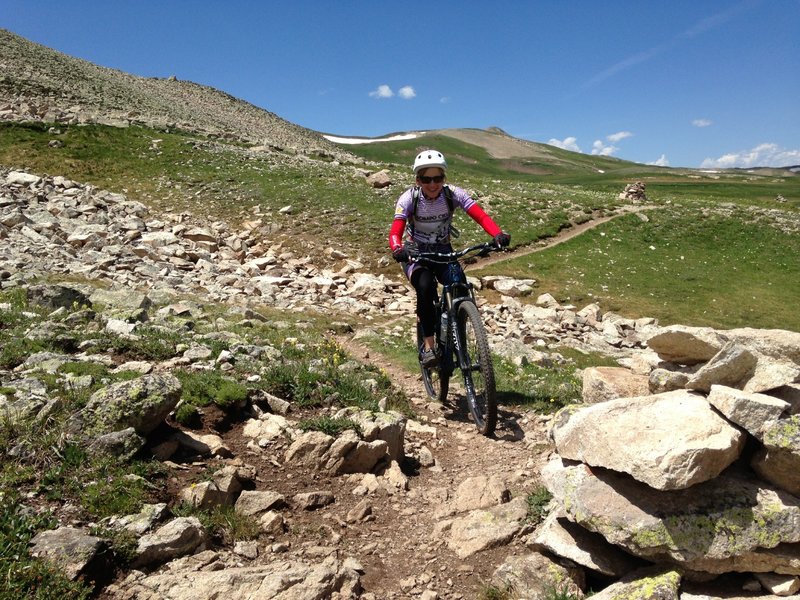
(477, 369)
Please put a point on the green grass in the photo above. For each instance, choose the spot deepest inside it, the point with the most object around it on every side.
(20, 575)
(329, 425)
(537, 505)
(222, 523)
(686, 265)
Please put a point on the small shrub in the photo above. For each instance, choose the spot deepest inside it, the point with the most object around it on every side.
(222, 522)
(201, 388)
(494, 592)
(560, 591)
(537, 505)
(329, 425)
(148, 343)
(294, 382)
(123, 542)
(187, 415)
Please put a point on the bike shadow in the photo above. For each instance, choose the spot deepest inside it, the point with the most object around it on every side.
(507, 429)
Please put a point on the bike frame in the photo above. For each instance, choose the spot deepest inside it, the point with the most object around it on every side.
(453, 294)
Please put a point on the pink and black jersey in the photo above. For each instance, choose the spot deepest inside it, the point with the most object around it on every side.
(431, 223)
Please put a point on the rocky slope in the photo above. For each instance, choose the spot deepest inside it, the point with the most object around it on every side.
(417, 507)
(37, 83)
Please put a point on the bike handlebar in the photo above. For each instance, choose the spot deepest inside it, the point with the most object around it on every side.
(447, 257)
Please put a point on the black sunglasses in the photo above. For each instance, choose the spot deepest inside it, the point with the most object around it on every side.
(434, 179)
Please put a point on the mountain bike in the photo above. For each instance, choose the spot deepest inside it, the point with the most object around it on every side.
(461, 340)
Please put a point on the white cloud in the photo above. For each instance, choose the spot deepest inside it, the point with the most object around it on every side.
(620, 135)
(407, 92)
(663, 161)
(444, 99)
(383, 91)
(702, 123)
(568, 143)
(763, 155)
(601, 149)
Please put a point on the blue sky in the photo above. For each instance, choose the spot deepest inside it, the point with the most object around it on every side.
(682, 83)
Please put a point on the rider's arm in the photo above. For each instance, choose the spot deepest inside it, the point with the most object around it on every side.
(396, 233)
(484, 220)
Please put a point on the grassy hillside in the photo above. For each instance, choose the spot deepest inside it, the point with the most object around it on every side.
(548, 164)
(736, 239)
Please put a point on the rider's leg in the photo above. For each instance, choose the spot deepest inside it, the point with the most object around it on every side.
(424, 283)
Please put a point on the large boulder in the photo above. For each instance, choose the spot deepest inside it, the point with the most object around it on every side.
(179, 537)
(686, 345)
(141, 403)
(609, 383)
(730, 524)
(278, 580)
(669, 441)
(755, 413)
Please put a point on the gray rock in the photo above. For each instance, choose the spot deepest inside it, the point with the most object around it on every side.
(70, 549)
(653, 583)
(609, 383)
(570, 540)
(313, 500)
(534, 576)
(179, 537)
(474, 493)
(254, 503)
(753, 412)
(668, 441)
(279, 580)
(57, 296)
(716, 526)
(779, 460)
(686, 345)
(141, 403)
(123, 444)
(487, 528)
(732, 366)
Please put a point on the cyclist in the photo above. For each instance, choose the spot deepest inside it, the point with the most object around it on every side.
(425, 213)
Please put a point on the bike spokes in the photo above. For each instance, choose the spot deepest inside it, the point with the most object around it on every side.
(477, 369)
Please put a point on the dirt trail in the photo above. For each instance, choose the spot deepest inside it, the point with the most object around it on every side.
(414, 526)
(561, 237)
(409, 534)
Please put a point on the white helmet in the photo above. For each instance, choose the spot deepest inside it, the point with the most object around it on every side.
(429, 158)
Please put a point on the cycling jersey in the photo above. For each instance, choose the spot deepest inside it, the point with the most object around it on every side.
(431, 224)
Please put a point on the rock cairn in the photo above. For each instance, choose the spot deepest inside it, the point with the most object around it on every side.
(634, 192)
(697, 476)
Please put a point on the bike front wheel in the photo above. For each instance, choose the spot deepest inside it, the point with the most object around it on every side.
(475, 363)
(436, 379)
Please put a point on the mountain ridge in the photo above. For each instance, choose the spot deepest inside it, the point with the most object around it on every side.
(39, 82)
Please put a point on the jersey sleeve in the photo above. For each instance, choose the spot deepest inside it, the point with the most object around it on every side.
(462, 198)
(402, 210)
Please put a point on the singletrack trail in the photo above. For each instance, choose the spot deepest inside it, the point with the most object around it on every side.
(411, 534)
(413, 538)
(561, 237)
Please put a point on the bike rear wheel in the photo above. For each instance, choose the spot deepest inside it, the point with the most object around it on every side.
(436, 379)
(476, 366)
